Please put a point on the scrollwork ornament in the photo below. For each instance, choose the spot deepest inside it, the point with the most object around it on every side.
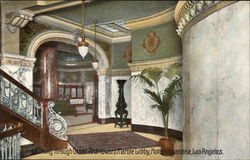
(57, 124)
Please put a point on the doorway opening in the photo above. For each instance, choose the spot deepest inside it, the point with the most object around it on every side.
(63, 76)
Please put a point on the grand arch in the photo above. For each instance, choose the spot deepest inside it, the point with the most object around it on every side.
(103, 86)
(66, 37)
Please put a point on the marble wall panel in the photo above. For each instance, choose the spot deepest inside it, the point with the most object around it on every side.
(24, 75)
(216, 84)
(142, 114)
(104, 99)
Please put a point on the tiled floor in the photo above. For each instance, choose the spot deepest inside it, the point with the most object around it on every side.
(145, 153)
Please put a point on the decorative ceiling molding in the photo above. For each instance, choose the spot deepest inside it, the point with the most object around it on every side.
(16, 20)
(20, 18)
(153, 20)
(49, 8)
(70, 26)
(55, 6)
(161, 63)
(17, 60)
(188, 13)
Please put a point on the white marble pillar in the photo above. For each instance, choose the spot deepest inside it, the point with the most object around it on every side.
(104, 96)
(216, 85)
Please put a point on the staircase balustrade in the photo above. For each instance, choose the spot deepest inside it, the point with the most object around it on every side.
(39, 111)
(10, 135)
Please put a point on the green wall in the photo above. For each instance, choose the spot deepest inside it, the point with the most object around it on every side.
(106, 11)
(170, 43)
(118, 59)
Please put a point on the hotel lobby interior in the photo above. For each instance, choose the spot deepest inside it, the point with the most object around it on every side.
(107, 79)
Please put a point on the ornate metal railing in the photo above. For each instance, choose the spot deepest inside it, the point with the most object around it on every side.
(10, 135)
(17, 98)
(57, 125)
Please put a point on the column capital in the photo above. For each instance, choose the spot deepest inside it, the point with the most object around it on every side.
(188, 13)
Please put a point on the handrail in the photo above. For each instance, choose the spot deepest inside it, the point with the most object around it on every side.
(18, 84)
(40, 114)
(17, 129)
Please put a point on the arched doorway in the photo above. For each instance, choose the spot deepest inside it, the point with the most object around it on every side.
(67, 63)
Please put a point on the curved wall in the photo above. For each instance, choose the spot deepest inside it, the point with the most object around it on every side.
(169, 45)
(216, 84)
(168, 52)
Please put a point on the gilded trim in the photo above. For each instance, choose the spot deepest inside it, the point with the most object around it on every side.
(161, 63)
(120, 72)
(113, 72)
(191, 12)
(153, 20)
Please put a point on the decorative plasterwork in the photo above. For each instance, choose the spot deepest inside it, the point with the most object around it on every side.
(161, 63)
(120, 72)
(153, 20)
(17, 60)
(15, 20)
(151, 43)
(66, 37)
(70, 26)
(187, 13)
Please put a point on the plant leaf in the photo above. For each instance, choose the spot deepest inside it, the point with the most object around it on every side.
(142, 79)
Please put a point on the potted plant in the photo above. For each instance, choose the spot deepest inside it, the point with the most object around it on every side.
(163, 98)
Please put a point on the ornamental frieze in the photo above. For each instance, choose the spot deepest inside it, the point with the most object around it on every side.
(17, 61)
(161, 63)
(194, 11)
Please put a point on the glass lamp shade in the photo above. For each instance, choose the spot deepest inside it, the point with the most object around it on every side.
(83, 48)
(95, 64)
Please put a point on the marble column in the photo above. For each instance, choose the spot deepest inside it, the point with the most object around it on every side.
(48, 72)
(216, 85)
(104, 94)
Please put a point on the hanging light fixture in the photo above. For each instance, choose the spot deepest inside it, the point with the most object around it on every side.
(95, 62)
(83, 45)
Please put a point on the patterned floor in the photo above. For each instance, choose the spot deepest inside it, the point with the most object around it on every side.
(145, 153)
(109, 141)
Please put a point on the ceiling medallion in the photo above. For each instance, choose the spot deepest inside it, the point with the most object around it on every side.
(151, 43)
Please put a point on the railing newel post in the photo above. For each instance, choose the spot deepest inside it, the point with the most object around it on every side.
(45, 122)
